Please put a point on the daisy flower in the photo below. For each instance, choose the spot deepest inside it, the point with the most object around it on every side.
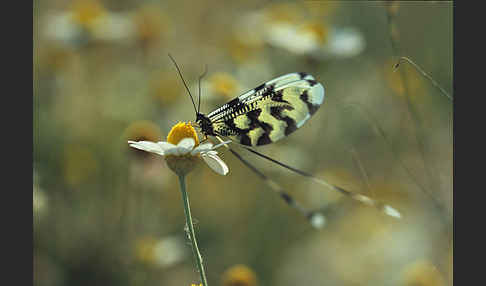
(182, 150)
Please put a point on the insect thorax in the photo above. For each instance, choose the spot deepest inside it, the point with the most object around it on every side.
(205, 123)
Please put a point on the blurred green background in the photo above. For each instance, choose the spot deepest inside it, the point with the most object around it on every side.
(105, 214)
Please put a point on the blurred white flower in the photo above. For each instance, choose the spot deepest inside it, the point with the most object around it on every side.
(163, 252)
(221, 84)
(344, 43)
(294, 38)
(87, 21)
(169, 251)
(316, 40)
(300, 35)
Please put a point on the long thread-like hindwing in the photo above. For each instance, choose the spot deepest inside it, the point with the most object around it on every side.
(270, 111)
(265, 115)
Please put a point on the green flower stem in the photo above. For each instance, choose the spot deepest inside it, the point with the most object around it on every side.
(195, 249)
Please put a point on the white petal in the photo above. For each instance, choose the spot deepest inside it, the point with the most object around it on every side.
(187, 143)
(182, 150)
(318, 220)
(172, 151)
(392, 212)
(165, 145)
(202, 148)
(215, 163)
(147, 146)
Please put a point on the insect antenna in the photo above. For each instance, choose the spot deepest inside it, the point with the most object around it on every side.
(199, 84)
(315, 218)
(359, 197)
(183, 81)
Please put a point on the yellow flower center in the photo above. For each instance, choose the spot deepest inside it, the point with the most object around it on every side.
(319, 31)
(180, 131)
(86, 12)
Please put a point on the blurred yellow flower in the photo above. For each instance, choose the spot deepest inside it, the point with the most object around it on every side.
(318, 30)
(164, 87)
(144, 249)
(242, 47)
(223, 84)
(151, 24)
(239, 275)
(86, 12)
(422, 273)
(142, 130)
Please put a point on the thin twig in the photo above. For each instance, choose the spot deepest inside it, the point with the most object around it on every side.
(419, 69)
(377, 128)
(420, 132)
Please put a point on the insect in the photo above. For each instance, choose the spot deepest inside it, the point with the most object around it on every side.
(266, 114)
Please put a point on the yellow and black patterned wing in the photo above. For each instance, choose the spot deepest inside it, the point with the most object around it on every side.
(269, 112)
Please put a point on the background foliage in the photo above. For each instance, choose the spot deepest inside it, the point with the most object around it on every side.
(108, 215)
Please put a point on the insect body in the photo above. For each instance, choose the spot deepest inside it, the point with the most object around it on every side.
(266, 113)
